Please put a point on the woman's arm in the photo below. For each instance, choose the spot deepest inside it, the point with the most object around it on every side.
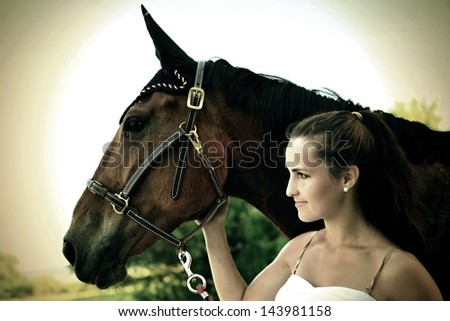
(228, 281)
(406, 279)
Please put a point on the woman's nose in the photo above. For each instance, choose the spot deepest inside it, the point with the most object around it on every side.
(291, 190)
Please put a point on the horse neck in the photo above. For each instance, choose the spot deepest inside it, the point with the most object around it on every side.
(257, 172)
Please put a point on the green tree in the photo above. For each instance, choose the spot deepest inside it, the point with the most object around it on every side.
(418, 110)
(12, 283)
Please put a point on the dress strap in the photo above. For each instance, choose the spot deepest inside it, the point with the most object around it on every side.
(369, 288)
(302, 252)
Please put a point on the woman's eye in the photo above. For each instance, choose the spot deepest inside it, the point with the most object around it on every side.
(133, 125)
(301, 175)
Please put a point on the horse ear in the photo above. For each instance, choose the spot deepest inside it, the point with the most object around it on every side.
(167, 51)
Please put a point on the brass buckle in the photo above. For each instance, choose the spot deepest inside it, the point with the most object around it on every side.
(124, 207)
(193, 101)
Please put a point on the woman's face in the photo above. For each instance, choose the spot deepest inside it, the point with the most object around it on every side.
(317, 195)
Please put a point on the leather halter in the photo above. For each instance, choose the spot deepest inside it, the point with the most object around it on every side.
(120, 202)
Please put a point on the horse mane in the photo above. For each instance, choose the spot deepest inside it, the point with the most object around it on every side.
(278, 101)
(422, 145)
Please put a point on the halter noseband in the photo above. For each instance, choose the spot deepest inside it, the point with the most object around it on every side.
(186, 136)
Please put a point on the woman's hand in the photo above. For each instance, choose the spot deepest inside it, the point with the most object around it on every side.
(218, 221)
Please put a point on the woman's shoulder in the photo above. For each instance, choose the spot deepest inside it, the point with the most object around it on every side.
(301, 239)
(403, 277)
(293, 248)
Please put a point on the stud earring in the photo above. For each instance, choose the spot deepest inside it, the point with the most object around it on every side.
(345, 189)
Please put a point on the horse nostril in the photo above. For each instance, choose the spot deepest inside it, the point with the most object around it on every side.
(69, 252)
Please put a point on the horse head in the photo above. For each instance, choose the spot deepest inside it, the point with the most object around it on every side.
(149, 172)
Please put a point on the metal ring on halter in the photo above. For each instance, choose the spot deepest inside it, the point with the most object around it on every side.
(124, 207)
(191, 132)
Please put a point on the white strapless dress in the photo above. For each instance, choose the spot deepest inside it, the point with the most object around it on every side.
(297, 288)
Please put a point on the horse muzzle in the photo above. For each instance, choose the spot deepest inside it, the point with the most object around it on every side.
(100, 267)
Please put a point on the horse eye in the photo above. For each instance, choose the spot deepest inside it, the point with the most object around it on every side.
(133, 124)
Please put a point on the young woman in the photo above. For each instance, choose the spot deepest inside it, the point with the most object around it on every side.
(347, 170)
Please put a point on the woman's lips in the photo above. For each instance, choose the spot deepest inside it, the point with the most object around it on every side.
(299, 204)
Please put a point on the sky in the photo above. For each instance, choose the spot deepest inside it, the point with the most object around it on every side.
(68, 69)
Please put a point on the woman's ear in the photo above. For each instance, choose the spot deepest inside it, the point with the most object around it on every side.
(351, 176)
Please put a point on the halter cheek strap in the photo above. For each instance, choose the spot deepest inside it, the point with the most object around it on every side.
(194, 102)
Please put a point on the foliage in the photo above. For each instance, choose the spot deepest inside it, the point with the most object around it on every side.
(254, 242)
(12, 283)
(418, 111)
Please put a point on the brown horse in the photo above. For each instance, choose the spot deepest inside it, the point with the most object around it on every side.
(197, 132)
